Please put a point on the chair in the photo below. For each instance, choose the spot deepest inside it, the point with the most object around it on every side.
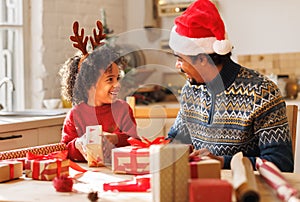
(292, 114)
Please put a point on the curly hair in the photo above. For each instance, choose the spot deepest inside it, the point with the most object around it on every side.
(68, 73)
(100, 59)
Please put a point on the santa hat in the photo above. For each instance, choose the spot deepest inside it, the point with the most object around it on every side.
(199, 29)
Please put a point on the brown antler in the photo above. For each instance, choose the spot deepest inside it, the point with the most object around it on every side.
(96, 41)
(80, 41)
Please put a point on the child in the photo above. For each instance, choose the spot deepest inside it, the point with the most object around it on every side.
(94, 99)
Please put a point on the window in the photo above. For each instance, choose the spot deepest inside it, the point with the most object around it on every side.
(11, 54)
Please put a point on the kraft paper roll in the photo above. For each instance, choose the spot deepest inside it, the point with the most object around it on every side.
(244, 182)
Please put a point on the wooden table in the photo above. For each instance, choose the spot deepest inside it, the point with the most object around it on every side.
(25, 189)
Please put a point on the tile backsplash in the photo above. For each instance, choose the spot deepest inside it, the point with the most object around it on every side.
(277, 63)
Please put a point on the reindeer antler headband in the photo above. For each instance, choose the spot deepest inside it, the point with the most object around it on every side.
(80, 41)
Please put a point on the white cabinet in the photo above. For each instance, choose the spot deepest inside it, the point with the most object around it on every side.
(18, 139)
(48, 135)
(23, 132)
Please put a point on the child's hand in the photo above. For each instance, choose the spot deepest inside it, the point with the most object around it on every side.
(111, 137)
(81, 147)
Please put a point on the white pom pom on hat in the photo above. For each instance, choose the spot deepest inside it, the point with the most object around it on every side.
(199, 29)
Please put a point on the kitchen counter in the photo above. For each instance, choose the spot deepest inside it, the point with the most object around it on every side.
(31, 129)
(14, 123)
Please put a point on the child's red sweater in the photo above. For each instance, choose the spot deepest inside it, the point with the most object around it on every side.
(115, 118)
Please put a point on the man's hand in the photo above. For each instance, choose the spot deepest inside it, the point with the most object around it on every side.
(206, 153)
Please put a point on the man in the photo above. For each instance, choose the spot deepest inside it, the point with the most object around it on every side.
(224, 107)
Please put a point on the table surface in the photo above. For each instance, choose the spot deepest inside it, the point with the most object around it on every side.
(26, 189)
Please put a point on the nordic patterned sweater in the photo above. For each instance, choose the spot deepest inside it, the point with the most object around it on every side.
(240, 110)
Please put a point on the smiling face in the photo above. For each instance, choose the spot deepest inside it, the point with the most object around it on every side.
(197, 69)
(106, 89)
(189, 68)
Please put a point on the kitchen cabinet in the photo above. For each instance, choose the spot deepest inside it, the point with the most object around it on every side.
(20, 132)
(18, 139)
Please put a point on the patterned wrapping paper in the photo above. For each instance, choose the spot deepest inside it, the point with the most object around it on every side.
(130, 160)
(43, 150)
(206, 168)
(46, 169)
(10, 170)
(274, 178)
(170, 172)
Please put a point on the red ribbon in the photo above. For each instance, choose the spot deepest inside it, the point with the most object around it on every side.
(59, 155)
(146, 143)
(11, 171)
(141, 184)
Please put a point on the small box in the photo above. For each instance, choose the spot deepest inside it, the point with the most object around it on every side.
(46, 169)
(94, 146)
(130, 160)
(170, 172)
(210, 190)
(10, 170)
(207, 168)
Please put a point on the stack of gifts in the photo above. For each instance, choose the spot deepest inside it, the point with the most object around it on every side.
(206, 184)
(134, 159)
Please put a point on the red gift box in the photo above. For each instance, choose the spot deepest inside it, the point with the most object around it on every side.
(210, 190)
(10, 170)
(134, 159)
(47, 167)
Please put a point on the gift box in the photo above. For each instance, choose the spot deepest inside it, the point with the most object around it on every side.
(130, 160)
(170, 172)
(10, 170)
(210, 190)
(205, 168)
(94, 146)
(47, 167)
(134, 159)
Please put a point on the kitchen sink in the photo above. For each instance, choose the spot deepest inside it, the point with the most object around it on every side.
(35, 112)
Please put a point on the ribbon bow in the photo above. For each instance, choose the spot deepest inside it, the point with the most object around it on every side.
(59, 155)
(146, 142)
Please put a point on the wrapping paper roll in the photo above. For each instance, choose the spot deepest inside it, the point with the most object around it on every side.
(244, 182)
(273, 177)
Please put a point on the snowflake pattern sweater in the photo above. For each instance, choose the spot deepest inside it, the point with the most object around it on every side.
(115, 118)
(241, 110)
